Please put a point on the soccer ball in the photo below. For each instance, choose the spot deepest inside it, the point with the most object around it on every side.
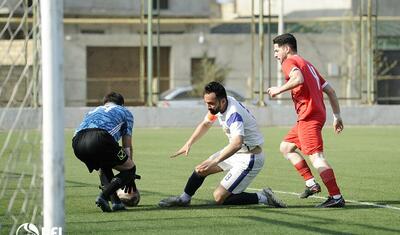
(129, 199)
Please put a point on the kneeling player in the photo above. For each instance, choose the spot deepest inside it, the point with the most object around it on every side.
(96, 144)
(243, 157)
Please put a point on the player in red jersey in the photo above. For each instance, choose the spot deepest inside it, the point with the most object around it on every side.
(307, 87)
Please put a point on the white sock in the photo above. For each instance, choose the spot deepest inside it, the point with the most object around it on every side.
(310, 182)
(337, 196)
(185, 197)
(261, 197)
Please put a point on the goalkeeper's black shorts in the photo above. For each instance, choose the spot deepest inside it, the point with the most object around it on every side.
(98, 149)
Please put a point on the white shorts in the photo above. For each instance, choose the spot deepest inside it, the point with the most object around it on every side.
(242, 169)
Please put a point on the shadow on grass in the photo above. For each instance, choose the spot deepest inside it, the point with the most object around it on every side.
(329, 220)
(298, 226)
(206, 204)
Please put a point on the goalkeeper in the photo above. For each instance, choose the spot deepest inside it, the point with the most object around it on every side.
(96, 144)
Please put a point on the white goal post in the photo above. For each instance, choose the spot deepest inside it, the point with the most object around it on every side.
(53, 114)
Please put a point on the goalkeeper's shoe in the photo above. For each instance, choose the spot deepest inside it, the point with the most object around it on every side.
(332, 202)
(316, 188)
(175, 201)
(272, 199)
(118, 206)
(103, 203)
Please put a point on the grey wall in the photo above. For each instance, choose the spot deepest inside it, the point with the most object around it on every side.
(272, 115)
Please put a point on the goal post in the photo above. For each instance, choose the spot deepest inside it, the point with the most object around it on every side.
(53, 114)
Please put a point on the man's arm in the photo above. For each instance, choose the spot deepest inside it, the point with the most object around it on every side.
(200, 130)
(295, 79)
(234, 146)
(127, 145)
(333, 100)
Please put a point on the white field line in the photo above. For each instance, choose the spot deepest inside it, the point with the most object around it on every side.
(351, 201)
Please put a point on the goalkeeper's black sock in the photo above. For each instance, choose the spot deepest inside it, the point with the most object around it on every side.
(106, 175)
(194, 182)
(242, 198)
(120, 180)
(112, 187)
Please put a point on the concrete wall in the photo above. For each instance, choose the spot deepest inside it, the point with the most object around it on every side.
(273, 115)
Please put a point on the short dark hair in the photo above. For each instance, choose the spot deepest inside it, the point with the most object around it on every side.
(286, 39)
(114, 97)
(217, 88)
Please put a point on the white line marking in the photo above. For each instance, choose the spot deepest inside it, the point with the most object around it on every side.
(351, 201)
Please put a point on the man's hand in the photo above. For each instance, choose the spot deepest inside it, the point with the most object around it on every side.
(184, 150)
(206, 165)
(130, 187)
(338, 125)
(273, 91)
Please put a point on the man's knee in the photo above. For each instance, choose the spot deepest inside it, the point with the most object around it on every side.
(218, 197)
(201, 174)
(319, 162)
(220, 194)
(286, 147)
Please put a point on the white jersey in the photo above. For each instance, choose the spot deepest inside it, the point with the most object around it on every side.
(237, 120)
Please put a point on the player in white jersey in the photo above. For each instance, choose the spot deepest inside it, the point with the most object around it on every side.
(242, 158)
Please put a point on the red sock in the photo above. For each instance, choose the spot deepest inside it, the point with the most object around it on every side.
(328, 177)
(304, 170)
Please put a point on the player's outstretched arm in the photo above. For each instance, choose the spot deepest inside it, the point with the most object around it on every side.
(333, 100)
(200, 130)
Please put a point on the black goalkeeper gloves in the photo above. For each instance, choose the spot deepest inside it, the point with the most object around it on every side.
(131, 186)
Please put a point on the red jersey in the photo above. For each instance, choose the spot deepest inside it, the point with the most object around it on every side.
(307, 97)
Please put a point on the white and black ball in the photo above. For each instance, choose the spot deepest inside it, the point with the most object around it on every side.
(129, 199)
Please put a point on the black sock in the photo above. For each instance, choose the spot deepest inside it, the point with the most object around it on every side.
(119, 181)
(112, 187)
(106, 175)
(194, 182)
(242, 198)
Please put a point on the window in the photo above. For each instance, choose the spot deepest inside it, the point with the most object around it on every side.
(163, 4)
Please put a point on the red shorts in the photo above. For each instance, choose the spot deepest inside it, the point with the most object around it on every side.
(307, 136)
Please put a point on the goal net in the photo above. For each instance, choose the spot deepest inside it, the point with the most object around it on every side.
(20, 116)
